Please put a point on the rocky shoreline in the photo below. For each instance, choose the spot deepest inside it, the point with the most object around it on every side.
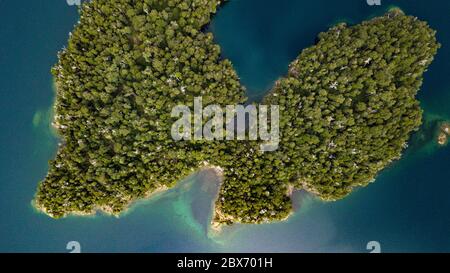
(444, 134)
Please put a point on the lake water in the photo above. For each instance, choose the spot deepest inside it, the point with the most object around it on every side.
(407, 209)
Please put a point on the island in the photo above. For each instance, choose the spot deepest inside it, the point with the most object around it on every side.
(348, 107)
(444, 133)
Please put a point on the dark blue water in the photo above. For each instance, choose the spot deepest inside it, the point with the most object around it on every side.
(405, 210)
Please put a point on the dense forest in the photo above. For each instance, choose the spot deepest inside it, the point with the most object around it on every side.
(347, 110)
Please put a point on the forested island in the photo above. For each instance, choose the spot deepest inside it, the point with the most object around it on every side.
(348, 106)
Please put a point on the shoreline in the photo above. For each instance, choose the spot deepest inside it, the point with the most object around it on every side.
(107, 210)
(218, 224)
(443, 134)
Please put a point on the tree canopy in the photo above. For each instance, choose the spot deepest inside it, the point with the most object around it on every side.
(348, 106)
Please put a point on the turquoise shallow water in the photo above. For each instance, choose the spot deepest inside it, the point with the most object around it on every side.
(405, 210)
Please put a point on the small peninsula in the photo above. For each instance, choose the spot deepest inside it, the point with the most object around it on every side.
(348, 107)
